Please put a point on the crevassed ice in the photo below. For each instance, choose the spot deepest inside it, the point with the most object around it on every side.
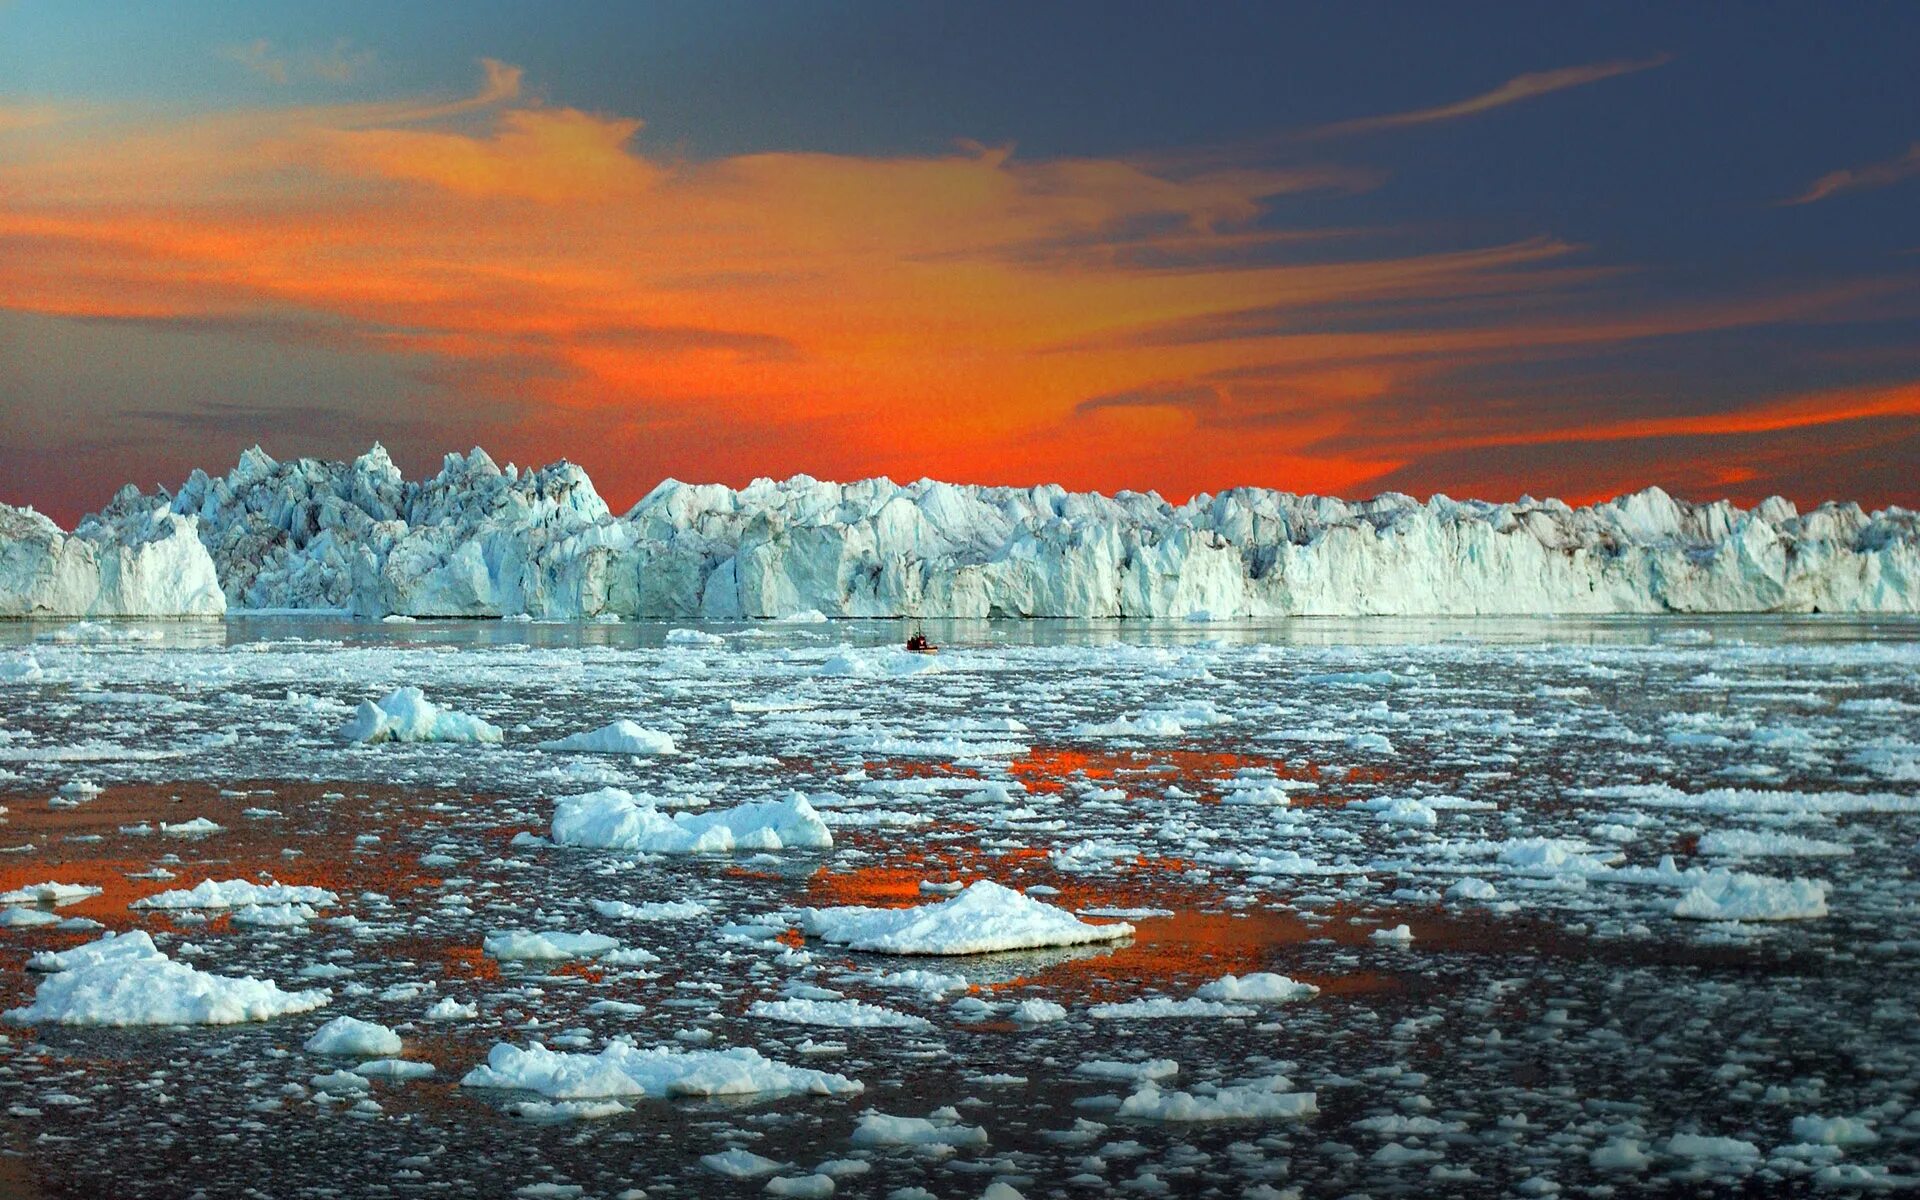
(480, 540)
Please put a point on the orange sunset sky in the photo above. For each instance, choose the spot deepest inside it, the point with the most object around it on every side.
(1338, 249)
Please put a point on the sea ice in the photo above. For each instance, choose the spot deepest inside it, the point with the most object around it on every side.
(985, 918)
(406, 715)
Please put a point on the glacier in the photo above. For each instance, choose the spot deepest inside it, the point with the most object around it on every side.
(479, 540)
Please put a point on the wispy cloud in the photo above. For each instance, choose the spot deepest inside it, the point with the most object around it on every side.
(1854, 179)
(973, 313)
(341, 62)
(1513, 91)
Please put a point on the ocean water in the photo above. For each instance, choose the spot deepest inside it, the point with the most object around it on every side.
(1589, 904)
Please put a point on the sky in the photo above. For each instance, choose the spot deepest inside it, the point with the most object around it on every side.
(1485, 250)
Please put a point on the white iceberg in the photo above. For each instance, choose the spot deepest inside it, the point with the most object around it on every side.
(1262, 987)
(49, 893)
(238, 893)
(625, 1070)
(1731, 896)
(481, 540)
(406, 715)
(621, 737)
(985, 918)
(550, 946)
(615, 819)
(354, 1037)
(126, 980)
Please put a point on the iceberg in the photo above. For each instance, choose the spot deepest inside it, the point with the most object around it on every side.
(621, 737)
(625, 1070)
(480, 540)
(615, 819)
(137, 558)
(406, 715)
(984, 919)
(126, 980)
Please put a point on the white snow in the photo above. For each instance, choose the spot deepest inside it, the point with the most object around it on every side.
(406, 715)
(620, 737)
(125, 980)
(985, 918)
(615, 819)
(622, 1069)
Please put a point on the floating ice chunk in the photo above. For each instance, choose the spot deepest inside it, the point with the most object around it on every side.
(836, 1014)
(551, 946)
(1258, 987)
(406, 715)
(396, 1068)
(1131, 1072)
(1726, 896)
(1834, 1131)
(941, 1129)
(449, 1009)
(1405, 811)
(985, 918)
(354, 1037)
(1619, 1154)
(121, 981)
(1745, 843)
(1552, 856)
(625, 1070)
(693, 637)
(238, 893)
(1701, 1146)
(1161, 722)
(1256, 1100)
(614, 819)
(621, 737)
(1038, 1012)
(740, 1164)
(21, 668)
(274, 916)
(1160, 1007)
(49, 893)
(131, 947)
(805, 1187)
(1399, 935)
(21, 917)
(1473, 888)
(198, 827)
(652, 910)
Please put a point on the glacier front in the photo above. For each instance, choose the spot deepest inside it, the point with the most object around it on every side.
(477, 540)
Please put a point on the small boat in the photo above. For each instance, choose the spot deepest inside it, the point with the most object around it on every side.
(918, 644)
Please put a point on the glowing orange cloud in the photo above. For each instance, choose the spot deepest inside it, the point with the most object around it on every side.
(971, 314)
(1513, 91)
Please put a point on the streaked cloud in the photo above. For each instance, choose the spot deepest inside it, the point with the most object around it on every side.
(1894, 170)
(1513, 91)
(547, 275)
(340, 63)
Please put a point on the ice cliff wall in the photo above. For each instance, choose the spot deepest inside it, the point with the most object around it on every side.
(477, 540)
(136, 559)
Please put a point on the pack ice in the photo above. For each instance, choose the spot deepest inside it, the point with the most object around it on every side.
(478, 540)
